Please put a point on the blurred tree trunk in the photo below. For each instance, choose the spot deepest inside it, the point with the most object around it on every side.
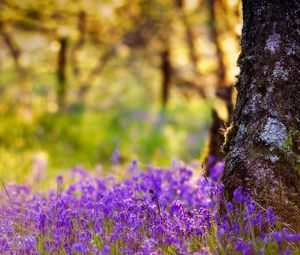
(15, 52)
(264, 142)
(215, 152)
(223, 92)
(61, 72)
(214, 34)
(191, 42)
(81, 26)
(189, 34)
(12, 46)
(166, 73)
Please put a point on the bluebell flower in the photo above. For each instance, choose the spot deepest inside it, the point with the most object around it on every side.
(115, 156)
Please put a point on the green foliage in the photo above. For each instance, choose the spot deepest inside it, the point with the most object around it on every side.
(90, 136)
(289, 143)
(292, 144)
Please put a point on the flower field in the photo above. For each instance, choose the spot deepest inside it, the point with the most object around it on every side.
(157, 211)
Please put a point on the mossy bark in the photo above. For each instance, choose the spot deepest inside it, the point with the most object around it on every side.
(264, 152)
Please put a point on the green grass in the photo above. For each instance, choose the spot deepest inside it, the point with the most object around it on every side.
(89, 137)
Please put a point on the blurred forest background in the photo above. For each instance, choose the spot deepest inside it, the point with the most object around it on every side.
(81, 78)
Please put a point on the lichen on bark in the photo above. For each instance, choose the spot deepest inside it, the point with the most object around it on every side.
(280, 73)
(274, 133)
(272, 43)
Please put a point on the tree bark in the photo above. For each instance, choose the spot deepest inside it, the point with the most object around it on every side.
(166, 72)
(263, 142)
(61, 72)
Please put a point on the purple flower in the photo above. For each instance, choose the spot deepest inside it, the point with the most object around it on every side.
(133, 167)
(229, 207)
(4, 245)
(59, 180)
(176, 207)
(77, 247)
(270, 217)
(216, 171)
(287, 251)
(115, 156)
(105, 250)
(146, 213)
(211, 159)
(126, 251)
(238, 195)
(42, 222)
(290, 237)
(244, 247)
(29, 242)
(277, 236)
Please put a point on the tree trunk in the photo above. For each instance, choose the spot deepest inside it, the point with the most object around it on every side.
(263, 141)
(216, 138)
(223, 91)
(190, 36)
(166, 72)
(81, 26)
(16, 53)
(214, 34)
(61, 72)
(214, 153)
